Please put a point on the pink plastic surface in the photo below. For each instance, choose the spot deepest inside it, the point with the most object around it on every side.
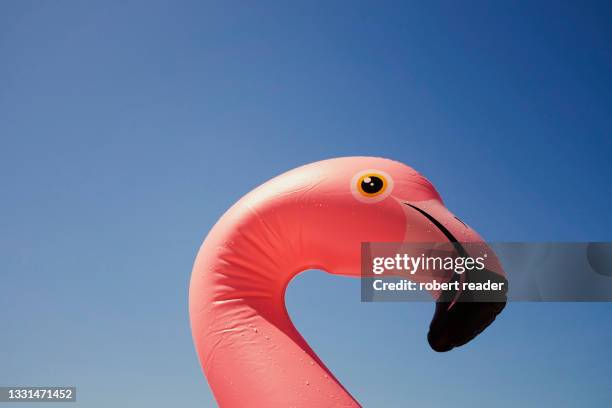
(308, 218)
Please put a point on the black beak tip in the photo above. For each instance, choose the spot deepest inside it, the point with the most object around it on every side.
(438, 344)
(461, 323)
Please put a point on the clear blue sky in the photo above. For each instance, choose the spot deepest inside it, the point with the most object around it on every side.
(127, 129)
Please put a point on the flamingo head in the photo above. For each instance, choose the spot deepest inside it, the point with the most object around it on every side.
(329, 208)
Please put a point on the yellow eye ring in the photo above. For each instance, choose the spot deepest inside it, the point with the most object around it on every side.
(372, 184)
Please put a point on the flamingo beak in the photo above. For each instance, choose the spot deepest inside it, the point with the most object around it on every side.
(460, 316)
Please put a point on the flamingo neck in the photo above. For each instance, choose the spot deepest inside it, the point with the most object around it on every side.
(244, 337)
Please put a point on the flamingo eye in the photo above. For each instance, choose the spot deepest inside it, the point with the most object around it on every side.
(371, 185)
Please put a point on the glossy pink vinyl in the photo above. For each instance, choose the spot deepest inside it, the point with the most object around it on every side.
(312, 217)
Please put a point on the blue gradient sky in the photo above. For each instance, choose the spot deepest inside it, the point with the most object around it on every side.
(127, 130)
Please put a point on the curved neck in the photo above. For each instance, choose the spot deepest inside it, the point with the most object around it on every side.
(246, 342)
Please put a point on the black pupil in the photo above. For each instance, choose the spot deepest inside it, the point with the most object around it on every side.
(372, 184)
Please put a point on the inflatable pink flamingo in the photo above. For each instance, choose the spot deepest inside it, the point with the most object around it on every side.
(313, 217)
